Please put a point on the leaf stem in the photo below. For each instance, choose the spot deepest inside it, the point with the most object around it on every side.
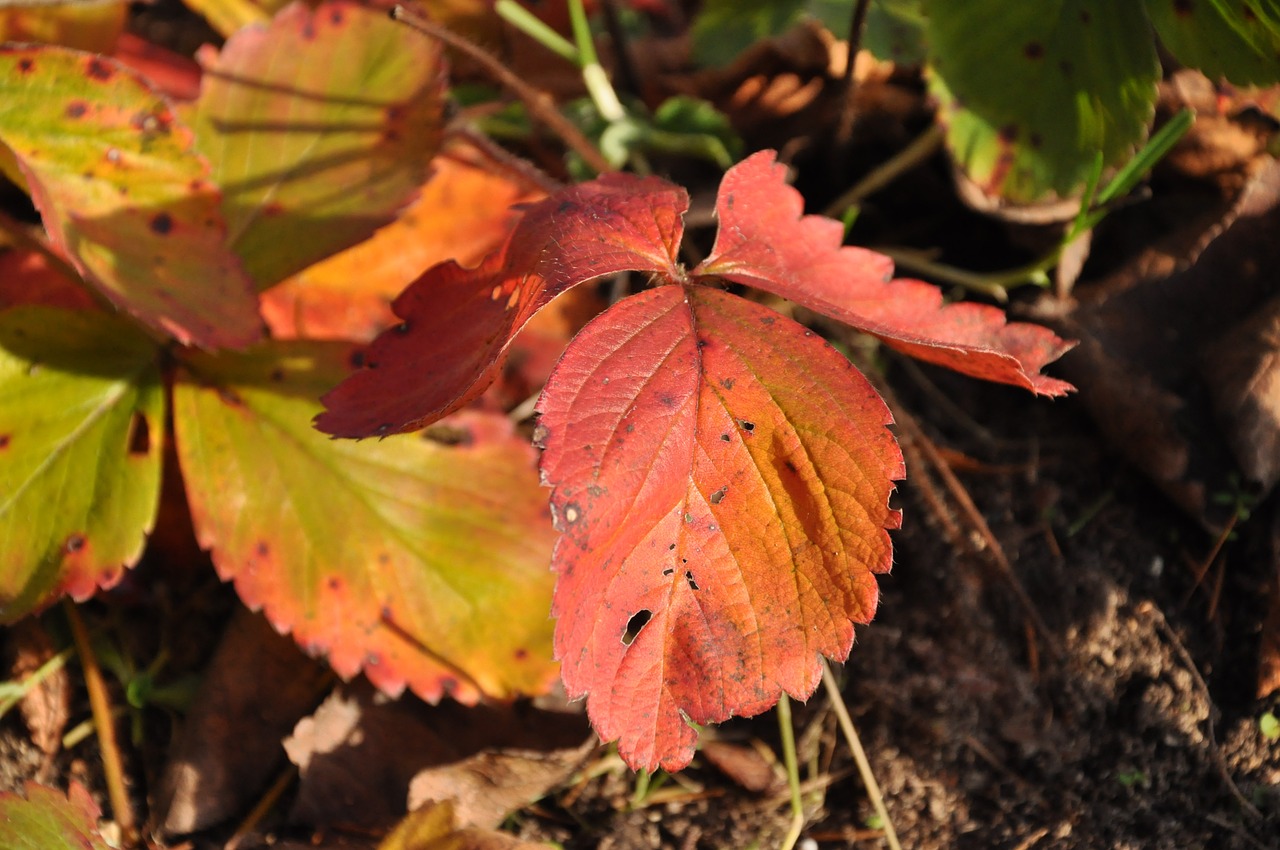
(593, 73)
(920, 149)
(539, 103)
(859, 754)
(100, 705)
(788, 734)
(531, 25)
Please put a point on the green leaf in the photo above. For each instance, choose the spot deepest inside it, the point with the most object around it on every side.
(1239, 40)
(320, 127)
(895, 30)
(1085, 73)
(81, 439)
(725, 28)
(1269, 726)
(123, 194)
(46, 820)
(421, 560)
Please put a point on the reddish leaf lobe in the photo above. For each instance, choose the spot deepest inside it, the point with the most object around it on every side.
(458, 322)
(765, 242)
(753, 554)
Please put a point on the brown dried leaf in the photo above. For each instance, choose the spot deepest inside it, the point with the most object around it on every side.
(47, 706)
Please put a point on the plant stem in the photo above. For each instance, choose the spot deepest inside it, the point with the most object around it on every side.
(529, 24)
(787, 731)
(100, 704)
(849, 84)
(920, 149)
(859, 754)
(539, 103)
(593, 73)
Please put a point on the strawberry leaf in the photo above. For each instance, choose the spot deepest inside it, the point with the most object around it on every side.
(417, 562)
(1239, 41)
(722, 469)
(123, 194)
(47, 820)
(320, 127)
(766, 242)
(458, 322)
(81, 440)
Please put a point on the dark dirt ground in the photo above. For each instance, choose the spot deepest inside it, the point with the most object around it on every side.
(1140, 731)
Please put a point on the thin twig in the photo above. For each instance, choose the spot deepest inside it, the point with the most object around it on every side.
(100, 705)
(1157, 616)
(849, 83)
(859, 755)
(263, 807)
(539, 103)
(964, 502)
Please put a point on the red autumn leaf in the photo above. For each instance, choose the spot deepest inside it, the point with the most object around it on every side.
(458, 322)
(765, 242)
(723, 469)
(720, 474)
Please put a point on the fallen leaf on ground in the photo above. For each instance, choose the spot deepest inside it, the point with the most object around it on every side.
(48, 820)
(251, 695)
(46, 707)
(360, 752)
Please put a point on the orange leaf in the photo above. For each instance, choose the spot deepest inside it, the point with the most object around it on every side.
(722, 471)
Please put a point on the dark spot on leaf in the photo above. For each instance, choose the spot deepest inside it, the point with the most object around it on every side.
(99, 70)
(718, 496)
(572, 513)
(631, 428)
(309, 31)
(1085, 17)
(76, 109)
(1008, 134)
(1066, 67)
(596, 491)
(668, 571)
(402, 328)
(74, 543)
(637, 622)
(334, 583)
(4, 441)
(372, 660)
(703, 342)
(749, 427)
(791, 467)
(671, 547)
(521, 653)
(356, 359)
(688, 577)
(564, 206)
(26, 66)
(1033, 50)
(262, 549)
(161, 224)
(1184, 7)
(336, 17)
(448, 684)
(277, 374)
(1248, 15)
(139, 435)
(727, 383)
(725, 437)
(230, 397)
(370, 364)
(1035, 140)
(729, 200)
(768, 321)
(666, 400)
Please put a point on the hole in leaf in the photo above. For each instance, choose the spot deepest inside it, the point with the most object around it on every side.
(139, 435)
(688, 577)
(637, 622)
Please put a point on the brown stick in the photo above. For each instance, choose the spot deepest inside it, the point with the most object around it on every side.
(539, 103)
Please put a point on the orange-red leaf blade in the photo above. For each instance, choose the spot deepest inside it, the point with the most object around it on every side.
(766, 242)
(458, 322)
(725, 470)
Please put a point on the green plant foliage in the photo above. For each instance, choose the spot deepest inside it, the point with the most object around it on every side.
(1030, 92)
(47, 820)
(320, 127)
(123, 193)
(895, 30)
(420, 562)
(81, 439)
(725, 28)
(1238, 40)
